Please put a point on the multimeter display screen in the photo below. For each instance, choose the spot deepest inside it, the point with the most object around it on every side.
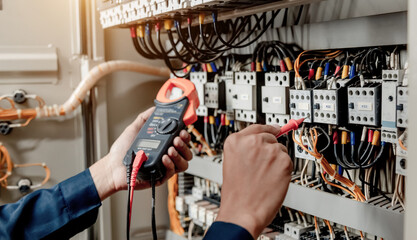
(146, 143)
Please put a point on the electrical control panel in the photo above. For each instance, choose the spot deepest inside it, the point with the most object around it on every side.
(250, 62)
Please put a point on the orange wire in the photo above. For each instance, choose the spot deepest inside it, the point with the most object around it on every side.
(5, 160)
(402, 144)
(328, 225)
(356, 193)
(46, 168)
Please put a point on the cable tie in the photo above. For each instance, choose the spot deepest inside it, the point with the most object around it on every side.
(56, 108)
(353, 187)
(332, 176)
(319, 159)
(38, 112)
(19, 113)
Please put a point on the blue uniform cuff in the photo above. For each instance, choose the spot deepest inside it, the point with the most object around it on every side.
(227, 231)
(80, 194)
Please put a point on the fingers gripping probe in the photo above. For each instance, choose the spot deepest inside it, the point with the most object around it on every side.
(293, 124)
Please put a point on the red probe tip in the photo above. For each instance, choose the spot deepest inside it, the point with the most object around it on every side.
(293, 124)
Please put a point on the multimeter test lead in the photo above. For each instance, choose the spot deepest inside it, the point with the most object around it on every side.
(293, 124)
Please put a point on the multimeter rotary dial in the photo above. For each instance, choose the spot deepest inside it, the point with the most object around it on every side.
(167, 126)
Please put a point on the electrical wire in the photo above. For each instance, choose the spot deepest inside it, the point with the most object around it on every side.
(354, 190)
(154, 234)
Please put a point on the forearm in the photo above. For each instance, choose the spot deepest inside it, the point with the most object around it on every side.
(102, 175)
(56, 213)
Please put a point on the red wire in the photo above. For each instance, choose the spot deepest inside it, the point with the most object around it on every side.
(137, 163)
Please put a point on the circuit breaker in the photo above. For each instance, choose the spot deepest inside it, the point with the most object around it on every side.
(402, 100)
(275, 93)
(246, 96)
(389, 110)
(228, 79)
(214, 95)
(199, 79)
(328, 106)
(364, 104)
(301, 105)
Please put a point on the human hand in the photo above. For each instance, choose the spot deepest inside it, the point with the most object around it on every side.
(256, 175)
(109, 174)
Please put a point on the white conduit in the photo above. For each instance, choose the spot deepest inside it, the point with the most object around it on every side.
(96, 74)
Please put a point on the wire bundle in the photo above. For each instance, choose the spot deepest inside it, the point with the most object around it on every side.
(266, 52)
(7, 166)
(352, 188)
(203, 43)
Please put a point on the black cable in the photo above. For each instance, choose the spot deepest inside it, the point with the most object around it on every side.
(376, 160)
(238, 45)
(129, 188)
(300, 11)
(336, 156)
(155, 237)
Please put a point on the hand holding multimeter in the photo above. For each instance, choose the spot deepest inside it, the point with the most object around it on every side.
(144, 157)
(168, 119)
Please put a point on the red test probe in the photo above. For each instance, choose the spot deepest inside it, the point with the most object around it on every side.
(291, 125)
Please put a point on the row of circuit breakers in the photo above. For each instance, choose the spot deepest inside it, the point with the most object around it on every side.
(119, 12)
(257, 97)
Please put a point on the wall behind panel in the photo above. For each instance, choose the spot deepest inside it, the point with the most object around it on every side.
(58, 143)
(129, 94)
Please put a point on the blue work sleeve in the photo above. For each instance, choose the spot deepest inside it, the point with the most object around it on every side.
(56, 213)
(227, 231)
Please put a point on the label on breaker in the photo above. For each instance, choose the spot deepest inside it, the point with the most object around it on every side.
(277, 100)
(244, 97)
(365, 106)
(328, 106)
(303, 106)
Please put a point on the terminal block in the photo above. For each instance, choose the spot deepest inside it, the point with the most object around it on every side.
(301, 104)
(298, 230)
(299, 152)
(280, 119)
(389, 135)
(393, 75)
(401, 165)
(246, 94)
(402, 100)
(364, 104)
(275, 93)
(328, 106)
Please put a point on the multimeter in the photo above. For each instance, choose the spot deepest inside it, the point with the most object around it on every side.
(165, 123)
